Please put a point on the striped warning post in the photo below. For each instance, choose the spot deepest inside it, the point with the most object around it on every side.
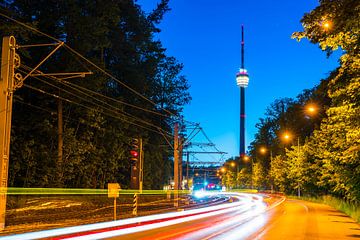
(135, 204)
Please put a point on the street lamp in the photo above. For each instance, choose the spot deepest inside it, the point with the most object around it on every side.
(263, 151)
(287, 137)
(327, 25)
(311, 109)
(246, 159)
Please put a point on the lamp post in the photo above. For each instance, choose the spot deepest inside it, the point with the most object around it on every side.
(287, 136)
(233, 164)
(246, 159)
(263, 151)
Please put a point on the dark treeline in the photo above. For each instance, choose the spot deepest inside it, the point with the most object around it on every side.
(119, 37)
(322, 152)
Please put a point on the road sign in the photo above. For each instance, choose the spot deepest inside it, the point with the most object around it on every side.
(113, 190)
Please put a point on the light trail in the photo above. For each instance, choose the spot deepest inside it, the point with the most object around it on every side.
(79, 191)
(139, 224)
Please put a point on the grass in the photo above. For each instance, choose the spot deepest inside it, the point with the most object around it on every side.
(351, 209)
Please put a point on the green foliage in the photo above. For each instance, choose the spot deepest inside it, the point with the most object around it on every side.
(326, 158)
(278, 173)
(243, 178)
(259, 176)
(119, 37)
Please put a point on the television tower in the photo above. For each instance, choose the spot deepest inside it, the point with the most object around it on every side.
(242, 80)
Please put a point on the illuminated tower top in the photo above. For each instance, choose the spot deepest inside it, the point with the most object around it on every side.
(242, 77)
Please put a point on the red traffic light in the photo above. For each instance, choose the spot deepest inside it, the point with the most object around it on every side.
(134, 150)
(134, 153)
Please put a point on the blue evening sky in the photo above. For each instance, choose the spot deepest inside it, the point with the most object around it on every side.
(205, 36)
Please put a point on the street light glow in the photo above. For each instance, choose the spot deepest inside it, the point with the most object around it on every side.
(327, 25)
(223, 169)
(233, 164)
(311, 109)
(263, 150)
(287, 136)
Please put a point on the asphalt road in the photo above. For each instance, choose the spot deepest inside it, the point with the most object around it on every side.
(293, 219)
(248, 218)
(296, 219)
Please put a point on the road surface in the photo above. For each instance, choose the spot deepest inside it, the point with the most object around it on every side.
(293, 219)
(286, 219)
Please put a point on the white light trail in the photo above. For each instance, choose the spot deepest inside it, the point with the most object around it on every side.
(246, 201)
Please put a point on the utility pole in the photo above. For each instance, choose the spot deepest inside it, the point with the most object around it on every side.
(59, 163)
(9, 82)
(187, 169)
(176, 164)
(298, 165)
(8, 61)
(181, 145)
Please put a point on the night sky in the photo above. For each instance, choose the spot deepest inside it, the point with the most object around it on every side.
(205, 36)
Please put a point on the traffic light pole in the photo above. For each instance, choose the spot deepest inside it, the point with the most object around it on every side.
(141, 166)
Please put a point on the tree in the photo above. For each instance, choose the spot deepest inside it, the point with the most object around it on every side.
(333, 25)
(278, 173)
(119, 37)
(298, 168)
(243, 178)
(259, 176)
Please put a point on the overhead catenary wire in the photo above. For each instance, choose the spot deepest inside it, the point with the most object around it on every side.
(33, 106)
(87, 107)
(64, 82)
(86, 60)
(47, 110)
(78, 56)
(87, 100)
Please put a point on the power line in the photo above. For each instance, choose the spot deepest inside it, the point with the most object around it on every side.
(102, 107)
(96, 93)
(85, 59)
(87, 107)
(33, 106)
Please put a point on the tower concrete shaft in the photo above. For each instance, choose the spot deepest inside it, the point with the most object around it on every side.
(242, 79)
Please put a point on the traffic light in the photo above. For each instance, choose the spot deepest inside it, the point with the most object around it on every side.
(134, 149)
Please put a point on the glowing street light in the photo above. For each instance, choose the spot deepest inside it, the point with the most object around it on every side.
(327, 25)
(223, 169)
(232, 164)
(286, 136)
(263, 150)
(311, 109)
